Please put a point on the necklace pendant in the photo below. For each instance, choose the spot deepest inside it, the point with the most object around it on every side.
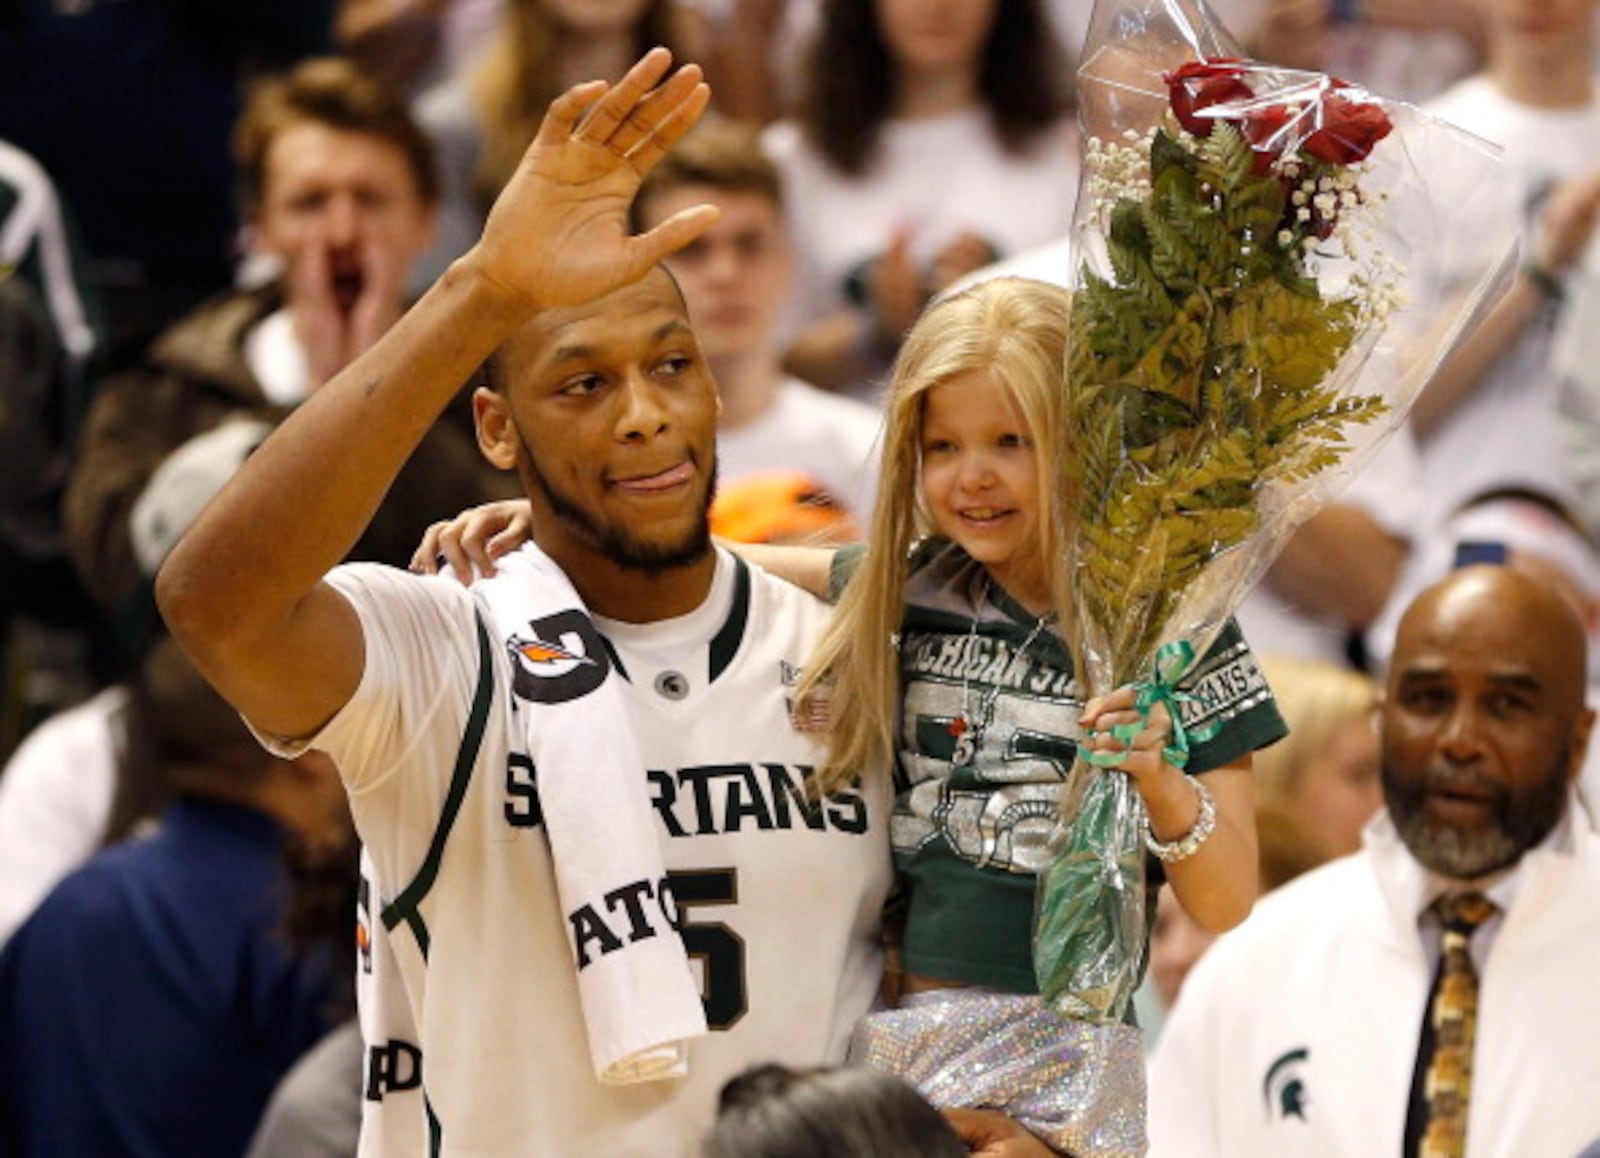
(957, 726)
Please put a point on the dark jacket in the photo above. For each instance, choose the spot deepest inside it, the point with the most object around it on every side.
(194, 378)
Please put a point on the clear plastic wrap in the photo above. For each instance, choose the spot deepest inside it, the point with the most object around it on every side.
(1270, 265)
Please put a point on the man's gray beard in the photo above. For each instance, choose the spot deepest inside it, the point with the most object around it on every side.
(1523, 819)
(1452, 853)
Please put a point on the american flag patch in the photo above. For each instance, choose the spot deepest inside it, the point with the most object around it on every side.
(818, 716)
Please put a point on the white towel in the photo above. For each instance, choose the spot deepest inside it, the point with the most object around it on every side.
(640, 1000)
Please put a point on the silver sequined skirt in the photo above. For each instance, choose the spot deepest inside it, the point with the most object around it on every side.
(1078, 1085)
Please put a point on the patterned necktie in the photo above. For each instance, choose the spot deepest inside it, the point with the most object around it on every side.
(1437, 1124)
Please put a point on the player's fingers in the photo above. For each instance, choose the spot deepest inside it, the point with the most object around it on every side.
(561, 121)
(658, 108)
(604, 117)
(676, 110)
(672, 235)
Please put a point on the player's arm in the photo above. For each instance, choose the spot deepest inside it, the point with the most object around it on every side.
(243, 591)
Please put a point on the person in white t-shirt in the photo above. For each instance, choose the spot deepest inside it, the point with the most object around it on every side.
(1487, 420)
(735, 278)
(600, 400)
(55, 799)
(933, 140)
(1407, 50)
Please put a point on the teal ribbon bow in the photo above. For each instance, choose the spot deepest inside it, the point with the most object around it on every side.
(1171, 661)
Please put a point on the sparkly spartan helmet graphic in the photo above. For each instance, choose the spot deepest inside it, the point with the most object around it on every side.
(563, 658)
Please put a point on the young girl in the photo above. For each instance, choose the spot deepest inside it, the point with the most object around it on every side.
(945, 662)
(945, 666)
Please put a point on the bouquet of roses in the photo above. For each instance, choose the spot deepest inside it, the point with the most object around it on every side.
(1268, 273)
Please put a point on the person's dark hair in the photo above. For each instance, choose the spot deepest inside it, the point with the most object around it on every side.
(178, 737)
(335, 92)
(772, 1111)
(849, 87)
(724, 155)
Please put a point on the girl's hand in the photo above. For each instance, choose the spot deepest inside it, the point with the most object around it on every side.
(474, 539)
(1145, 752)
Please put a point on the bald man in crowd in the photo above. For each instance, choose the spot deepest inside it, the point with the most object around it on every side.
(1433, 993)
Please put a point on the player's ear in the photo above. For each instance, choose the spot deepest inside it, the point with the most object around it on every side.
(497, 432)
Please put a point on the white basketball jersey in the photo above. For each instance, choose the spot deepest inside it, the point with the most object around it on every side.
(476, 1043)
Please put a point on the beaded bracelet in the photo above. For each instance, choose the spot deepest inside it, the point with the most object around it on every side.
(1188, 844)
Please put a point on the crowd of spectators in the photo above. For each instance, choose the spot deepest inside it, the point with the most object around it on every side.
(204, 217)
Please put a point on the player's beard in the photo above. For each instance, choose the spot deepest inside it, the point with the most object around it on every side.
(617, 542)
(1523, 816)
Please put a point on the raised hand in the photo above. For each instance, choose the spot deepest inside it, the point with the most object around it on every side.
(558, 233)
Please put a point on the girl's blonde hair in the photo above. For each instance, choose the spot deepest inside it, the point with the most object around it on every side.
(1316, 698)
(1014, 329)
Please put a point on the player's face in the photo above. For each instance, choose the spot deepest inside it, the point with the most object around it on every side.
(352, 195)
(736, 275)
(616, 414)
(980, 479)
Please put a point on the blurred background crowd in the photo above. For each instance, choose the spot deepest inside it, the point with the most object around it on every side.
(207, 210)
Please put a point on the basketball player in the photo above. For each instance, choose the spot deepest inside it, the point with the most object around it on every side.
(422, 692)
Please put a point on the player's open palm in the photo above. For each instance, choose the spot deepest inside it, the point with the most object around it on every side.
(558, 234)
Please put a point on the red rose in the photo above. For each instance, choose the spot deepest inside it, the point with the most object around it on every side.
(1262, 128)
(1348, 130)
(1201, 84)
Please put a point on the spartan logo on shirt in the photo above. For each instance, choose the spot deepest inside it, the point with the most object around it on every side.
(563, 659)
(1284, 1089)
